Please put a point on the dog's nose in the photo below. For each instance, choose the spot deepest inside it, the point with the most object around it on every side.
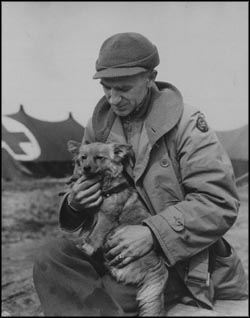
(87, 168)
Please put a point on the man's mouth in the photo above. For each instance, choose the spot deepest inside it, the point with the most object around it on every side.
(120, 107)
(120, 110)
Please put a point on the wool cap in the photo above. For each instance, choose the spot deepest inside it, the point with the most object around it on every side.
(126, 54)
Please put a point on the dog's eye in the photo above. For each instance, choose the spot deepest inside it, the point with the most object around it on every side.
(83, 157)
(99, 157)
(78, 162)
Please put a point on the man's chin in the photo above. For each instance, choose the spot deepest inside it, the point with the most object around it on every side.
(121, 112)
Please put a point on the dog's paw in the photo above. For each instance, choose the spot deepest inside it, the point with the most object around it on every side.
(86, 248)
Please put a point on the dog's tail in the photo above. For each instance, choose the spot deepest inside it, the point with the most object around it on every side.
(150, 294)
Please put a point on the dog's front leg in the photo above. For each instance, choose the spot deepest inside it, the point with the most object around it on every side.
(96, 239)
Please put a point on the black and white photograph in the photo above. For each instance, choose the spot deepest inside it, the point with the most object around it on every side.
(125, 158)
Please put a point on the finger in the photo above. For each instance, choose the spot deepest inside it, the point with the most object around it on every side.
(124, 262)
(85, 194)
(92, 198)
(82, 194)
(95, 203)
(81, 179)
(114, 252)
(115, 238)
(84, 177)
(115, 261)
(117, 233)
(113, 242)
(85, 184)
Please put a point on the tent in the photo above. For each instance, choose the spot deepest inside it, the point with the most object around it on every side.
(12, 169)
(40, 146)
(235, 143)
(243, 180)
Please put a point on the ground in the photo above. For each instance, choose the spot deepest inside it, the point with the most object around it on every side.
(30, 217)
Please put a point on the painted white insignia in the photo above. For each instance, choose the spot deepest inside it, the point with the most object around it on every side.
(18, 140)
(201, 123)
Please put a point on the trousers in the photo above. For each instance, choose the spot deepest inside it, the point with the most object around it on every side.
(70, 283)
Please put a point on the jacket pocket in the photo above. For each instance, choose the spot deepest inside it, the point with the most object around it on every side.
(228, 276)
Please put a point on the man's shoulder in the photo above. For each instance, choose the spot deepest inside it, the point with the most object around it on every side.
(191, 115)
(170, 94)
(189, 111)
(193, 122)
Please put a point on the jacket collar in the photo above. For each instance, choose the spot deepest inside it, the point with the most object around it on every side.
(165, 110)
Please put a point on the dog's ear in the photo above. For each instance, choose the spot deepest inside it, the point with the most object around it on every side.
(73, 146)
(123, 151)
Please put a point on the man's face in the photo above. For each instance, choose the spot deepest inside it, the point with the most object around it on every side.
(125, 93)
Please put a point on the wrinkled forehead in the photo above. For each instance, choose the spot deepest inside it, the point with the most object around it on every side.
(97, 148)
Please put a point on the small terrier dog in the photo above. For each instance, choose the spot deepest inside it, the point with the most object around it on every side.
(121, 206)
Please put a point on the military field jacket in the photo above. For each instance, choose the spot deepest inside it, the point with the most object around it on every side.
(183, 175)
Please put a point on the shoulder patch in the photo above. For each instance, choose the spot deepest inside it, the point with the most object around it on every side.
(201, 123)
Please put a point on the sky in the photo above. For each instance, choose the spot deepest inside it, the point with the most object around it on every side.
(49, 50)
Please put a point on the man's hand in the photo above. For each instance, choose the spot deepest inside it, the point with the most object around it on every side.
(131, 242)
(85, 194)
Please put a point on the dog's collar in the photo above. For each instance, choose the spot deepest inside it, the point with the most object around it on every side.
(116, 189)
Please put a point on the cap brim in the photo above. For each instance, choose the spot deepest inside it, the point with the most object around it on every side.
(119, 72)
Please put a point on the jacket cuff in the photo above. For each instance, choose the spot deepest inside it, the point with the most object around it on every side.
(69, 219)
(168, 230)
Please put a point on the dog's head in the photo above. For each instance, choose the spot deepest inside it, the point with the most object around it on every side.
(99, 158)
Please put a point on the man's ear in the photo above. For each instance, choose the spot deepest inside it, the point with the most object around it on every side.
(73, 146)
(122, 151)
(152, 77)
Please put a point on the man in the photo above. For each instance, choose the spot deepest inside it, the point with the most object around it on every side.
(182, 174)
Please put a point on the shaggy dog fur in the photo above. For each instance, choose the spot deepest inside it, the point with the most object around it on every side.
(121, 206)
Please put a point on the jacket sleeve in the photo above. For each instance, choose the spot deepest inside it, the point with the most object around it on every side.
(210, 205)
(70, 220)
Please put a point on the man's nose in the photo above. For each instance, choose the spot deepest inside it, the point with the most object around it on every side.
(114, 97)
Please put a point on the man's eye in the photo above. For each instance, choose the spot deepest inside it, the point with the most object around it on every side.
(124, 90)
(99, 157)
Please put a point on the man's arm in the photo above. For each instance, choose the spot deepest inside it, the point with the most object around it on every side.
(69, 219)
(211, 203)
(71, 216)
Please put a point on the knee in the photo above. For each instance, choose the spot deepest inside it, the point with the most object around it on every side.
(50, 253)
(48, 249)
